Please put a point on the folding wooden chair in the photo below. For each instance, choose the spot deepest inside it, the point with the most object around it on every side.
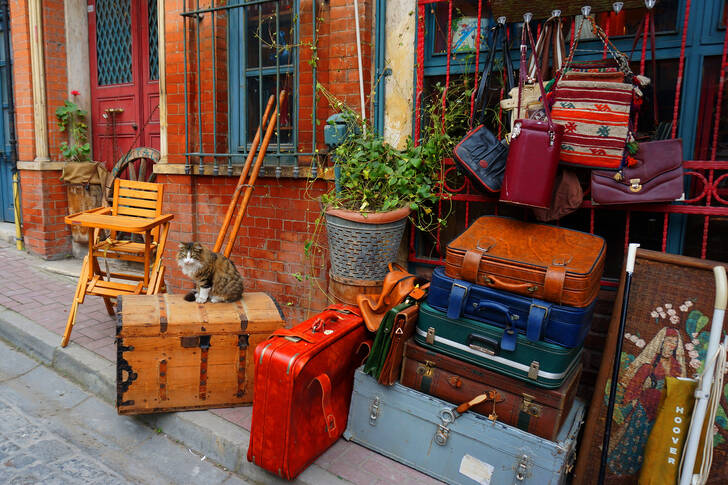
(136, 209)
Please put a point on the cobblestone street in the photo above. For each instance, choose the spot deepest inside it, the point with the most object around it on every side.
(52, 432)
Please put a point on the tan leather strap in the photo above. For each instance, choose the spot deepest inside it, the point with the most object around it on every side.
(489, 395)
(329, 419)
(553, 285)
(495, 282)
(471, 263)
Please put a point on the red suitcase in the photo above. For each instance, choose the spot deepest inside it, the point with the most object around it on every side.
(303, 383)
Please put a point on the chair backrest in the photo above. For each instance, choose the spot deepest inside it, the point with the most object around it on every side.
(138, 199)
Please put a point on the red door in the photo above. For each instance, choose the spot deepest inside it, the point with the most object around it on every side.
(124, 77)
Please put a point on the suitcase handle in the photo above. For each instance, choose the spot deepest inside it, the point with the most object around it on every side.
(508, 341)
(329, 420)
(492, 281)
(481, 343)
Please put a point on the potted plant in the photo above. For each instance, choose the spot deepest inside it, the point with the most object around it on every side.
(378, 188)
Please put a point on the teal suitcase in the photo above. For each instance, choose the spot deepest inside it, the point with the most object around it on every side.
(540, 363)
(428, 434)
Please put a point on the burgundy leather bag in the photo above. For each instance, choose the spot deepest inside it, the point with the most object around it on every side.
(657, 176)
(533, 156)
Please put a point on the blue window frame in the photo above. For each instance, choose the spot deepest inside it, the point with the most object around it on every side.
(262, 36)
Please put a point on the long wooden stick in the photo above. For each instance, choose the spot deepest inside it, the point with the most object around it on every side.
(254, 175)
(243, 175)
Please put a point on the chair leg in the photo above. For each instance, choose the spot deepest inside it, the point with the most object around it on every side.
(78, 298)
(109, 306)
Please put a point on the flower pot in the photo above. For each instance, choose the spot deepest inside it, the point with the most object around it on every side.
(362, 245)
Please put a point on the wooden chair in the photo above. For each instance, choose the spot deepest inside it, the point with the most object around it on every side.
(136, 209)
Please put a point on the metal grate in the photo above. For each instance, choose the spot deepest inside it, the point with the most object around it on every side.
(153, 41)
(113, 41)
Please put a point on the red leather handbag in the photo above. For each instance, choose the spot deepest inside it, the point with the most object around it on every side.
(533, 155)
(303, 383)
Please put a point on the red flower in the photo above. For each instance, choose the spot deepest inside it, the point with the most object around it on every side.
(75, 93)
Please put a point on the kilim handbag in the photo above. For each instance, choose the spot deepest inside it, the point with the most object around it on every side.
(480, 154)
(594, 110)
(533, 155)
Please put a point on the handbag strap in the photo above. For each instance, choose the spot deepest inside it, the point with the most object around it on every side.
(526, 33)
(621, 58)
(551, 38)
(499, 29)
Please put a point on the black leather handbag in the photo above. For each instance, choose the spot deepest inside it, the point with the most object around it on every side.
(480, 155)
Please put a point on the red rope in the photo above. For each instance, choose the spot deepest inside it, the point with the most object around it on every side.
(449, 55)
(420, 68)
(477, 63)
(606, 34)
(721, 83)
(680, 69)
(664, 231)
(642, 62)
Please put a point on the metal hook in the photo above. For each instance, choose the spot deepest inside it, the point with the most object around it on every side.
(586, 10)
(502, 20)
(556, 13)
(650, 4)
(527, 17)
(617, 6)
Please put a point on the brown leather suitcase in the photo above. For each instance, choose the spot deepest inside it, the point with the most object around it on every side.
(551, 263)
(174, 355)
(533, 409)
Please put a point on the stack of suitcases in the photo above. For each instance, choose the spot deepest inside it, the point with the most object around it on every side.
(500, 334)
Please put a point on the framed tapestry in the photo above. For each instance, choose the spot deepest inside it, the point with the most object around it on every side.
(666, 334)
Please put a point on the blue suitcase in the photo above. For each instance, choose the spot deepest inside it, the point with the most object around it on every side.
(536, 319)
(426, 433)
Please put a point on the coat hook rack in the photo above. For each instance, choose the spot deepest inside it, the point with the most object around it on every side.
(527, 17)
(502, 20)
(586, 10)
(556, 13)
(650, 4)
(617, 6)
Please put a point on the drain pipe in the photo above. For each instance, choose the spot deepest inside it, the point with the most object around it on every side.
(358, 58)
(12, 141)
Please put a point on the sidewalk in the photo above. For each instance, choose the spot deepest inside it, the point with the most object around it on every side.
(34, 303)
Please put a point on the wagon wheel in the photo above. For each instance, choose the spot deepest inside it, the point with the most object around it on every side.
(137, 164)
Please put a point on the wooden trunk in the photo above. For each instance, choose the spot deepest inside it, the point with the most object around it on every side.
(174, 355)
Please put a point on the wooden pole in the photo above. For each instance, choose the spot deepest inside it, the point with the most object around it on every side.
(254, 175)
(241, 180)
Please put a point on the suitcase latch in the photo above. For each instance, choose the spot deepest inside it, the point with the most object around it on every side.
(447, 416)
(374, 411)
(529, 407)
(425, 370)
(522, 468)
(430, 338)
(533, 370)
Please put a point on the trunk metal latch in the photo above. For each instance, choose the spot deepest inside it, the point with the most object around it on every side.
(533, 370)
(430, 338)
(522, 468)
(447, 416)
(374, 411)
(425, 370)
(529, 407)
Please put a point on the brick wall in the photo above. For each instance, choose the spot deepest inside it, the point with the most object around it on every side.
(281, 217)
(43, 195)
(44, 206)
(269, 249)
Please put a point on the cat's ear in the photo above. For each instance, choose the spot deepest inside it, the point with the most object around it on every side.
(181, 246)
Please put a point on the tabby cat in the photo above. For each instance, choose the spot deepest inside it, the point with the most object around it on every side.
(216, 277)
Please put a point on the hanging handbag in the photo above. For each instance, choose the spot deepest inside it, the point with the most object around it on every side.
(533, 155)
(656, 177)
(595, 111)
(480, 154)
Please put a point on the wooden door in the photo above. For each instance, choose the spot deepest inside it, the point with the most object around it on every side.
(124, 77)
(7, 164)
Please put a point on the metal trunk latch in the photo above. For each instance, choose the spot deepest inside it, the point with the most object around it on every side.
(425, 370)
(374, 411)
(447, 416)
(522, 468)
(529, 407)
(430, 338)
(533, 370)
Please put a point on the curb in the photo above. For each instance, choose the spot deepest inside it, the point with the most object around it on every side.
(221, 441)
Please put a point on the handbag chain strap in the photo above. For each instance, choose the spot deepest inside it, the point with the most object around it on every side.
(522, 75)
(621, 58)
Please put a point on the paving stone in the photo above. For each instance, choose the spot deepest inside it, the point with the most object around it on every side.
(45, 383)
(49, 450)
(26, 435)
(83, 471)
(7, 448)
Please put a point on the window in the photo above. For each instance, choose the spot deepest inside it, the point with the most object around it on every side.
(263, 62)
